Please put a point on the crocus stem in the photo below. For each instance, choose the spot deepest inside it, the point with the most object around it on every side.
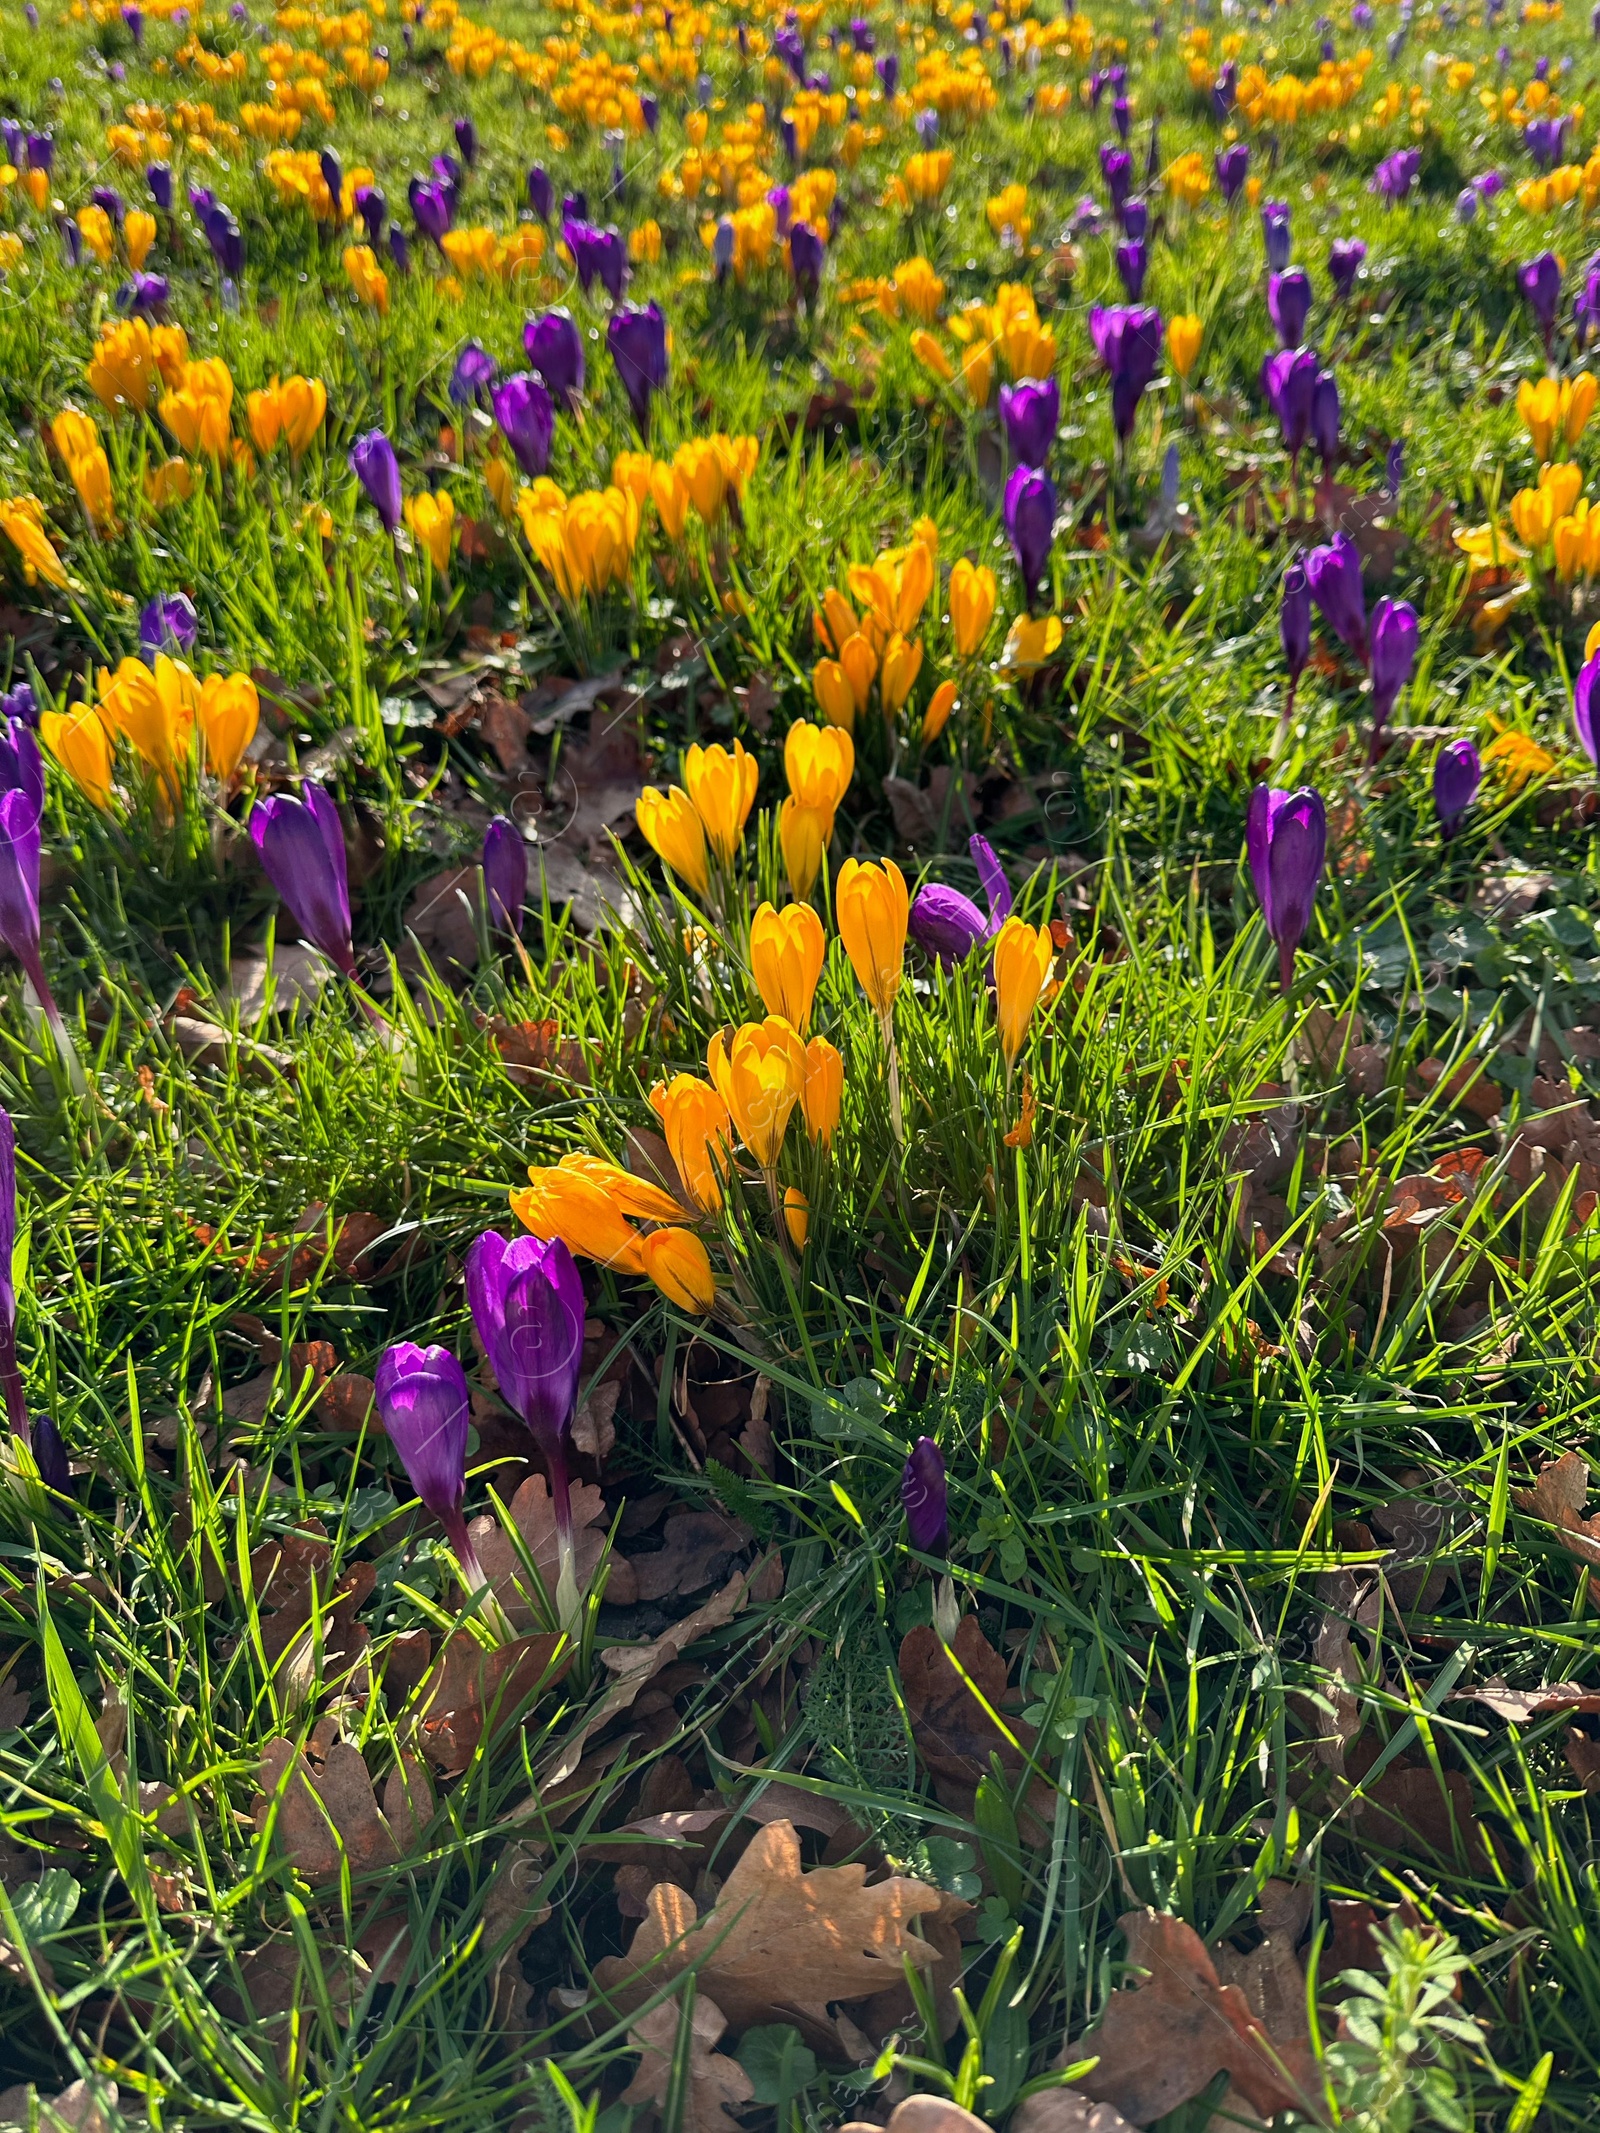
(780, 1228)
(896, 1116)
(11, 1381)
(568, 1603)
(34, 971)
(1287, 713)
(1286, 966)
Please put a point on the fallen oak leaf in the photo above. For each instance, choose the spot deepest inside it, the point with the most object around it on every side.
(1160, 2043)
(779, 1942)
(469, 1690)
(717, 2084)
(1271, 1976)
(78, 2108)
(533, 1515)
(1522, 1706)
(957, 1731)
(321, 1817)
(1558, 1496)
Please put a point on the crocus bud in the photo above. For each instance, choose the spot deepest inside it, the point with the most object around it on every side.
(1134, 215)
(1286, 835)
(926, 1499)
(1029, 414)
(1294, 625)
(637, 340)
(527, 420)
(1289, 303)
(373, 462)
(527, 1303)
(650, 111)
(1128, 342)
(1334, 575)
(467, 141)
(10, 1375)
(1393, 643)
(50, 1455)
(1289, 381)
(1030, 515)
(422, 1395)
(888, 71)
(332, 177)
(1457, 774)
(992, 878)
(1233, 166)
(724, 246)
(1116, 167)
(505, 874)
(1345, 255)
(1586, 708)
(399, 247)
(21, 810)
(432, 207)
(301, 845)
(1540, 283)
(541, 193)
(473, 374)
(554, 349)
(1276, 233)
(945, 924)
(373, 208)
(168, 623)
(225, 238)
(1132, 263)
(806, 256)
(1325, 418)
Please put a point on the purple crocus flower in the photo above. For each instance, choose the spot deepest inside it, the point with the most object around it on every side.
(781, 202)
(1457, 774)
(1225, 91)
(18, 707)
(1121, 116)
(1544, 138)
(1030, 517)
(527, 420)
(637, 340)
(1286, 836)
(109, 201)
(925, 1497)
(1392, 639)
(1334, 575)
(301, 845)
(168, 622)
(1134, 215)
(226, 240)
(807, 253)
(1294, 630)
(1116, 167)
(10, 1375)
(1128, 342)
(1586, 708)
(1540, 283)
(333, 178)
(1394, 177)
(1276, 234)
(467, 141)
(790, 47)
(1288, 380)
(432, 208)
(72, 238)
(399, 248)
(134, 18)
(475, 371)
(1289, 304)
(373, 462)
(41, 152)
(505, 874)
(144, 295)
(1345, 255)
(448, 173)
(724, 244)
(1233, 166)
(21, 811)
(888, 71)
(945, 924)
(927, 126)
(650, 110)
(373, 208)
(527, 1303)
(1466, 205)
(598, 255)
(555, 351)
(1030, 414)
(1133, 262)
(201, 201)
(541, 193)
(992, 878)
(1586, 304)
(1490, 184)
(422, 1395)
(1325, 418)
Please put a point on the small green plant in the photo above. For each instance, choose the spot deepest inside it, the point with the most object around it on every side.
(1398, 2062)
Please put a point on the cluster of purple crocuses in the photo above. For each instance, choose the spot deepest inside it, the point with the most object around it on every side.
(526, 1298)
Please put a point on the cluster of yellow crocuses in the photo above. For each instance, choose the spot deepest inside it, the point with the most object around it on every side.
(1009, 330)
(591, 1205)
(161, 710)
(874, 648)
(703, 472)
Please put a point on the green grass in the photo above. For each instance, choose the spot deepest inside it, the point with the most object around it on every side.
(1161, 1448)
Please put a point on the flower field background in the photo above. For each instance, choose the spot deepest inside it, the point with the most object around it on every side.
(802, 1037)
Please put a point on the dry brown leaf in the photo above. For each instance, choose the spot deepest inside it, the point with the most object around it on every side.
(468, 1687)
(533, 1515)
(594, 1428)
(1160, 2043)
(1066, 2111)
(75, 2107)
(1558, 1497)
(1583, 1760)
(956, 1732)
(323, 1816)
(284, 1574)
(923, 2114)
(1270, 1975)
(779, 1943)
(1522, 1706)
(698, 1547)
(13, 1704)
(511, 1913)
(441, 916)
(717, 2086)
(638, 1665)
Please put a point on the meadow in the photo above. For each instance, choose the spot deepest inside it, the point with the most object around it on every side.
(800, 1042)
